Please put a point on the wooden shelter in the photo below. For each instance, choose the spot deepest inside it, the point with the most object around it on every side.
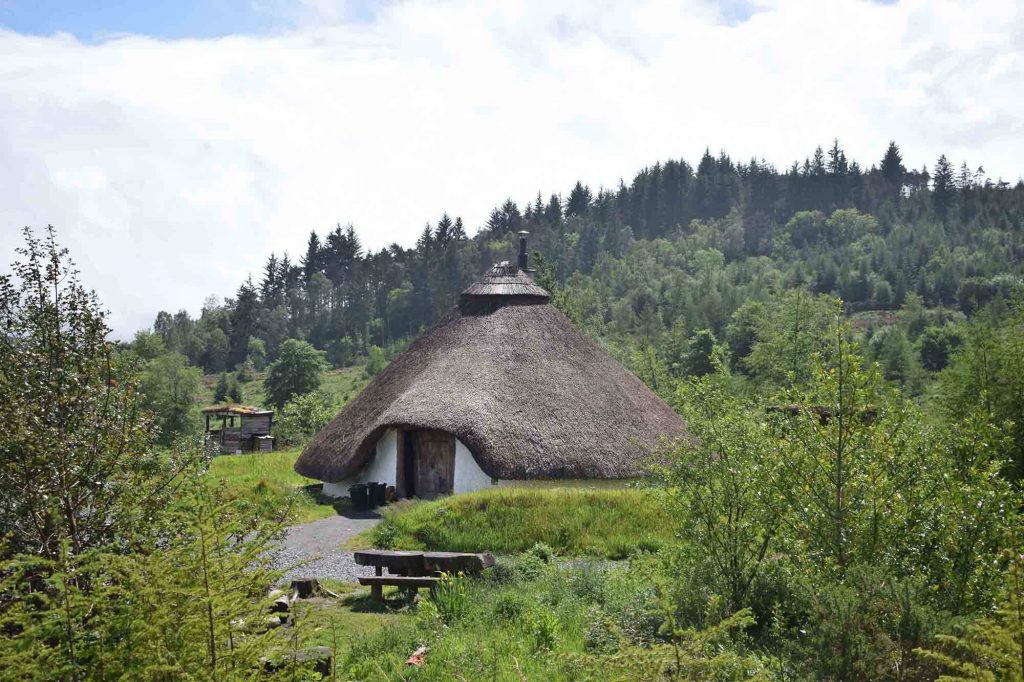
(252, 433)
(503, 390)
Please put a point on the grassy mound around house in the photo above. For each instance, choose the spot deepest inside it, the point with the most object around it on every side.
(596, 522)
(269, 480)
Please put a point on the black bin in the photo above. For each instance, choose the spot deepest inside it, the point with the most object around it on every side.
(360, 495)
(377, 494)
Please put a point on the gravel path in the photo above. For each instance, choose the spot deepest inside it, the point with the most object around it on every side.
(315, 546)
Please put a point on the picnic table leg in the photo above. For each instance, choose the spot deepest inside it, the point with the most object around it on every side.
(380, 570)
(377, 592)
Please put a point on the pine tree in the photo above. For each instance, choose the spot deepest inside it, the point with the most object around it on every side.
(943, 187)
(458, 231)
(892, 167)
(443, 232)
(244, 319)
(312, 261)
(579, 201)
(270, 284)
(220, 392)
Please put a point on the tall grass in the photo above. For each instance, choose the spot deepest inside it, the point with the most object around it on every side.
(613, 523)
(269, 480)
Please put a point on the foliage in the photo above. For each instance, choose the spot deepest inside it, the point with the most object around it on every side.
(189, 598)
(75, 463)
(840, 515)
(450, 597)
(296, 372)
(612, 523)
(168, 386)
(991, 647)
(725, 526)
(375, 361)
(256, 353)
(787, 337)
(385, 535)
(302, 417)
(119, 560)
(987, 374)
(503, 633)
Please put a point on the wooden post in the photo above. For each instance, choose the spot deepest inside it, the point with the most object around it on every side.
(377, 592)
(380, 570)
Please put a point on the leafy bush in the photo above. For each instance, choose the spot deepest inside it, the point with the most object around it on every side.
(543, 627)
(296, 372)
(384, 535)
(375, 361)
(542, 552)
(302, 418)
(509, 607)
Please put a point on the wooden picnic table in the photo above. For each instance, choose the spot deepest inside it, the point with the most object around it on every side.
(416, 569)
(399, 562)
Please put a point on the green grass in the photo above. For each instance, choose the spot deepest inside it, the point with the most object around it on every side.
(610, 523)
(340, 384)
(529, 620)
(269, 480)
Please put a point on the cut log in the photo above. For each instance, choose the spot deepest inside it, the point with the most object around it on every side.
(306, 588)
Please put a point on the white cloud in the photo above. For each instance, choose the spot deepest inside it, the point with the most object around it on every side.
(173, 168)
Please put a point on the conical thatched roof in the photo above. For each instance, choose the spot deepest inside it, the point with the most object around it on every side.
(509, 375)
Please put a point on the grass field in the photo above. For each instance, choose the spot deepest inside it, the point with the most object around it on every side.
(269, 480)
(610, 523)
(340, 384)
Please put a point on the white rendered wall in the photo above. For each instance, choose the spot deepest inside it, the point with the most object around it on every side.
(381, 467)
(468, 474)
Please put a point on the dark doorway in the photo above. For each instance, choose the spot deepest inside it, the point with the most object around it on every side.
(407, 464)
(426, 464)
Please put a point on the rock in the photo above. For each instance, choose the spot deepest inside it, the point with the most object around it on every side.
(319, 658)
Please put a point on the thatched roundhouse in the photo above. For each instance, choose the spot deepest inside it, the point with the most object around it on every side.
(502, 390)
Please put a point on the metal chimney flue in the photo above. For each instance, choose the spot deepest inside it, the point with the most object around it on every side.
(523, 261)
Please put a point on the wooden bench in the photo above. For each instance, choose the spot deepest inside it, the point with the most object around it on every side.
(414, 570)
(377, 583)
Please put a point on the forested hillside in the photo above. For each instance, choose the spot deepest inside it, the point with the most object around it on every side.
(678, 250)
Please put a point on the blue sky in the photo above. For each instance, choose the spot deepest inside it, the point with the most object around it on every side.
(91, 21)
(97, 20)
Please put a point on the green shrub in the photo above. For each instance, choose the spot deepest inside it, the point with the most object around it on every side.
(302, 418)
(542, 552)
(543, 628)
(509, 607)
(602, 635)
(530, 567)
(384, 535)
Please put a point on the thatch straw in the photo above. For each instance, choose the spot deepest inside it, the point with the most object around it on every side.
(509, 375)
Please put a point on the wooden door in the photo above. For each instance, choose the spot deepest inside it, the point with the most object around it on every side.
(435, 463)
